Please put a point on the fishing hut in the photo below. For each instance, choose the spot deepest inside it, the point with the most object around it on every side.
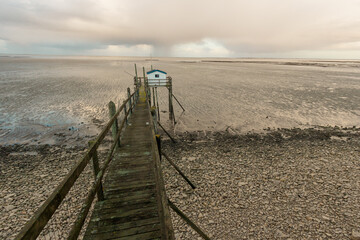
(152, 80)
(157, 78)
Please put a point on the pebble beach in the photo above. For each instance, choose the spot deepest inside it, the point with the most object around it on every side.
(283, 184)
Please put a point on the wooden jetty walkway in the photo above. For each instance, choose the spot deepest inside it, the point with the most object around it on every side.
(133, 189)
(131, 200)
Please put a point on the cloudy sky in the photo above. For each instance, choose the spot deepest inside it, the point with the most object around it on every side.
(182, 28)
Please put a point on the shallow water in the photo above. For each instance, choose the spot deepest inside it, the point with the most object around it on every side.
(42, 98)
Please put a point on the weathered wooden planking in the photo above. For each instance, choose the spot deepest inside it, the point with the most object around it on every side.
(131, 206)
(130, 233)
(127, 225)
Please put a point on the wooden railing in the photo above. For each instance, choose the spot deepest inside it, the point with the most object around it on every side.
(164, 213)
(36, 224)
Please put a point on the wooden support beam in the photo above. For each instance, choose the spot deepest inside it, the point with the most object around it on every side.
(188, 221)
(172, 139)
(178, 170)
(179, 103)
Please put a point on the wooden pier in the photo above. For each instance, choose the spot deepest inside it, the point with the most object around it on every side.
(133, 188)
(131, 200)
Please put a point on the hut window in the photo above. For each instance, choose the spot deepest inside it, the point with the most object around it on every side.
(157, 75)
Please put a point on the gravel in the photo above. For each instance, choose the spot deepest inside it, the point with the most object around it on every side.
(28, 179)
(281, 184)
(287, 184)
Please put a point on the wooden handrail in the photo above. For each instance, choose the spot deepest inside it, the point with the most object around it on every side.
(41, 217)
(165, 217)
(75, 230)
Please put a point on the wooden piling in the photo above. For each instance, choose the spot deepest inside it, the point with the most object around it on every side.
(125, 114)
(153, 93)
(147, 87)
(96, 167)
(154, 116)
(136, 76)
(157, 104)
(130, 100)
(171, 109)
(115, 127)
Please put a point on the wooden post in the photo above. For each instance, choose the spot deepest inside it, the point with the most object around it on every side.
(130, 101)
(147, 87)
(136, 76)
(158, 141)
(125, 111)
(95, 160)
(136, 95)
(153, 93)
(144, 75)
(154, 116)
(115, 127)
(171, 110)
(157, 104)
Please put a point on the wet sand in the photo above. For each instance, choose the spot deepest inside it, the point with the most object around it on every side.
(63, 100)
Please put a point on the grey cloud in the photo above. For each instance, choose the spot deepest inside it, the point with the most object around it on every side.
(241, 26)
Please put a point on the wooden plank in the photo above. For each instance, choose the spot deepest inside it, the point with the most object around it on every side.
(143, 236)
(125, 208)
(120, 194)
(131, 209)
(132, 188)
(140, 176)
(124, 216)
(131, 232)
(126, 171)
(128, 183)
(117, 203)
(127, 225)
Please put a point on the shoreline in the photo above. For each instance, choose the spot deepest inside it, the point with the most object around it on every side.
(238, 176)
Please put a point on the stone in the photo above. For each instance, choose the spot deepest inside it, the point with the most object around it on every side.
(355, 235)
(9, 207)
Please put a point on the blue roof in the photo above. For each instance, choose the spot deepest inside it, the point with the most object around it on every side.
(156, 70)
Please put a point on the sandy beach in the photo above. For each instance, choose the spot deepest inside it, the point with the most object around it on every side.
(272, 145)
